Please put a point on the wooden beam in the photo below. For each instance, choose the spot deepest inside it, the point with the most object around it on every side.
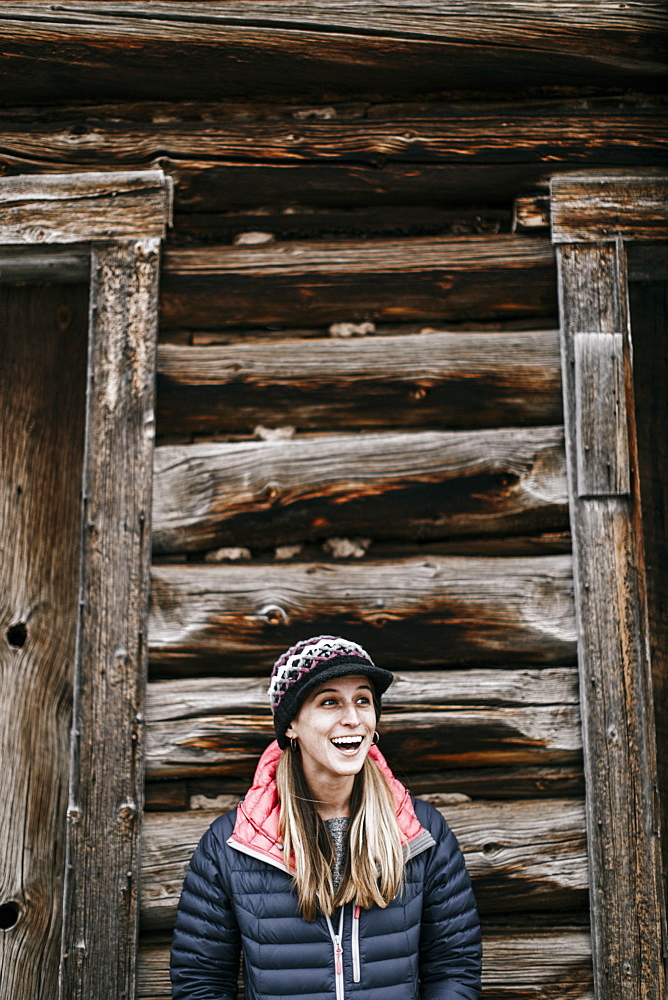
(217, 49)
(54, 264)
(525, 781)
(517, 963)
(602, 208)
(420, 485)
(616, 688)
(105, 807)
(74, 208)
(232, 134)
(432, 379)
(454, 719)
(311, 284)
(519, 856)
(42, 393)
(469, 610)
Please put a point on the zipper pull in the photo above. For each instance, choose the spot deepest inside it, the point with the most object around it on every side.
(339, 952)
(356, 914)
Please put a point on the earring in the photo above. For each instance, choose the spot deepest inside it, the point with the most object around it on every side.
(294, 745)
(376, 737)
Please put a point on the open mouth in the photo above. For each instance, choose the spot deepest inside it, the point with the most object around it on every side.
(348, 744)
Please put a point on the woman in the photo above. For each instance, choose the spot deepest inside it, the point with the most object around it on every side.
(329, 876)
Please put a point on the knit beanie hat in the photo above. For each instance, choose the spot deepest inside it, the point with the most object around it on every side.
(310, 663)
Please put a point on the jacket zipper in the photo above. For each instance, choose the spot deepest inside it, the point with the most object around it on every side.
(338, 955)
(356, 945)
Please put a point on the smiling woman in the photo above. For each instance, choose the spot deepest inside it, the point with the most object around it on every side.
(330, 878)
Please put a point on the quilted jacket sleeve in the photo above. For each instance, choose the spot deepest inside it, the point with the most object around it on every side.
(450, 944)
(206, 945)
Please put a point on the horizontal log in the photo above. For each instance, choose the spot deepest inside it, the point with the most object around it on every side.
(517, 966)
(521, 855)
(75, 207)
(406, 612)
(189, 697)
(279, 48)
(500, 133)
(68, 264)
(421, 739)
(548, 543)
(220, 726)
(522, 782)
(421, 485)
(433, 379)
(395, 280)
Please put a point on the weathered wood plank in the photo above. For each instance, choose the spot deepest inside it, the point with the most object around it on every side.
(42, 407)
(71, 208)
(600, 414)
(300, 47)
(69, 264)
(421, 485)
(517, 966)
(522, 782)
(437, 719)
(229, 134)
(616, 688)
(101, 904)
(458, 737)
(521, 855)
(189, 697)
(395, 280)
(432, 379)
(468, 610)
(589, 207)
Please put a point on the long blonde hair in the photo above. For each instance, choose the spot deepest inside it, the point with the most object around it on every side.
(374, 863)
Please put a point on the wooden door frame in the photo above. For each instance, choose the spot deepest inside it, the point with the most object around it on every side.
(65, 227)
(593, 216)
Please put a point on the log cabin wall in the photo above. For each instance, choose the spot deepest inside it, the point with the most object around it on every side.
(359, 397)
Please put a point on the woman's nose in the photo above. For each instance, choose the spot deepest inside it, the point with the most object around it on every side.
(350, 716)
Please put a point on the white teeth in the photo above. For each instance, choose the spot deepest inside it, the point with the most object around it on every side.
(347, 740)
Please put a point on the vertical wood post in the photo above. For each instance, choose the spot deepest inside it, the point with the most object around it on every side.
(42, 391)
(100, 914)
(615, 677)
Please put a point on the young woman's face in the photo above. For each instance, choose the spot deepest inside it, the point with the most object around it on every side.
(335, 727)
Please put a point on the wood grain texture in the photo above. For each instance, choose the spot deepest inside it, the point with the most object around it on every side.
(526, 781)
(42, 409)
(436, 720)
(68, 264)
(549, 134)
(427, 379)
(421, 485)
(600, 415)
(70, 208)
(392, 280)
(468, 610)
(519, 854)
(616, 690)
(598, 207)
(100, 908)
(214, 49)
(518, 965)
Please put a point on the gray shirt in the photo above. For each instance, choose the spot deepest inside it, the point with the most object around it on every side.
(338, 827)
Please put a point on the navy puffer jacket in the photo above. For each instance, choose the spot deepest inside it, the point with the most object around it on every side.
(238, 895)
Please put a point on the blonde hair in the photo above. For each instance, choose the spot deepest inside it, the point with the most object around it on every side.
(374, 864)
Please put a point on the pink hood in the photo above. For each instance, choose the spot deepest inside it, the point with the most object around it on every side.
(256, 826)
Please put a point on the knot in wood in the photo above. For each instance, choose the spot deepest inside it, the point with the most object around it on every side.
(274, 615)
(127, 811)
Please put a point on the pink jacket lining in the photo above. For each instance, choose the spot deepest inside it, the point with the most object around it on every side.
(256, 826)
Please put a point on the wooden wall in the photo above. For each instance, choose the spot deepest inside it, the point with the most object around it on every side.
(359, 397)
